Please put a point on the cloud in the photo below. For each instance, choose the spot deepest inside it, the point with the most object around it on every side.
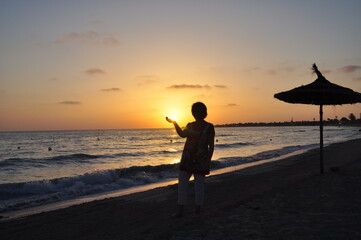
(357, 79)
(288, 69)
(220, 86)
(95, 71)
(350, 68)
(147, 79)
(110, 41)
(90, 37)
(70, 103)
(189, 86)
(232, 105)
(78, 37)
(271, 72)
(111, 90)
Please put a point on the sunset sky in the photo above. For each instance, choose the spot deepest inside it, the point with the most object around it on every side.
(127, 64)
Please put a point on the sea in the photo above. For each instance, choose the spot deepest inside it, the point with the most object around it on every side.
(38, 168)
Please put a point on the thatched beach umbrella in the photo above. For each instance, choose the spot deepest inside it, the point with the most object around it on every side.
(320, 92)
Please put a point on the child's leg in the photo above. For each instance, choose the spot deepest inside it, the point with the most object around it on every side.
(183, 180)
(199, 189)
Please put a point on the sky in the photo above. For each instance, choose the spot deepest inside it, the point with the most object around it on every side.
(106, 64)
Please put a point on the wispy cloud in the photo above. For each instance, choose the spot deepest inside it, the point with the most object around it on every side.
(271, 72)
(95, 71)
(111, 41)
(357, 79)
(220, 86)
(232, 105)
(111, 90)
(86, 37)
(189, 86)
(288, 69)
(90, 37)
(350, 68)
(70, 103)
(147, 79)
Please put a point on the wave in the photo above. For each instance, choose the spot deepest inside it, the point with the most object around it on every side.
(232, 145)
(14, 196)
(226, 135)
(78, 157)
(82, 158)
(61, 159)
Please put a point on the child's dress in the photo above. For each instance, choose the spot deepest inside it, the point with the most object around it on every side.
(195, 157)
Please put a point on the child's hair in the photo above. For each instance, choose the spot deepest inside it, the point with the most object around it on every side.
(199, 110)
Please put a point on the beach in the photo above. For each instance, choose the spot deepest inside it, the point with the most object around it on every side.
(285, 199)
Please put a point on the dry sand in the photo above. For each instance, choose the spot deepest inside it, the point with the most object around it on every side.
(287, 199)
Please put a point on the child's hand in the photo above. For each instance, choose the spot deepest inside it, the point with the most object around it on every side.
(170, 120)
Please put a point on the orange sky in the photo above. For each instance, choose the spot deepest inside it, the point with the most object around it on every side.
(111, 65)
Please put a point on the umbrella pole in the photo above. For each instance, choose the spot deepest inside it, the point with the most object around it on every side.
(321, 140)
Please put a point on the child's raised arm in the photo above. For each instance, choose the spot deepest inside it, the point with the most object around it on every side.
(180, 132)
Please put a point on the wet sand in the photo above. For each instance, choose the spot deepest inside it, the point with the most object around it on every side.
(286, 199)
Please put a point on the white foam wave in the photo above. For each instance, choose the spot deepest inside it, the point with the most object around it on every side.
(22, 195)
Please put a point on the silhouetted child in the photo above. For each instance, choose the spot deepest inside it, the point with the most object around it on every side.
(196, 156)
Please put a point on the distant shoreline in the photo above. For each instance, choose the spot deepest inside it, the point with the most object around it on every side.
(356, 123)
(292, 124)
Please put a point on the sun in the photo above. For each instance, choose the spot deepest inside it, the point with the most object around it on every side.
(173, 117)
(173, 114)
(176, 114)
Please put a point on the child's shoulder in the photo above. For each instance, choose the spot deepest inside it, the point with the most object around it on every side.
(197, 127)
(210, 124)
(211, 128)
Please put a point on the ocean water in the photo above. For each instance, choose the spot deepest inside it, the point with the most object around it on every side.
(37, 168)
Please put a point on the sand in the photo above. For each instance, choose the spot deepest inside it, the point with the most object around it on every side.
(287, 199)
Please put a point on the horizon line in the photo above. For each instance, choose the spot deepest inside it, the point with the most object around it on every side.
(216, 125)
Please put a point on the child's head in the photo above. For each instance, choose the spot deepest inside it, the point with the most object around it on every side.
(199, 110)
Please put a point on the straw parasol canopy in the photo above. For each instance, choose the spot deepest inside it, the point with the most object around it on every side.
(320, 92)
